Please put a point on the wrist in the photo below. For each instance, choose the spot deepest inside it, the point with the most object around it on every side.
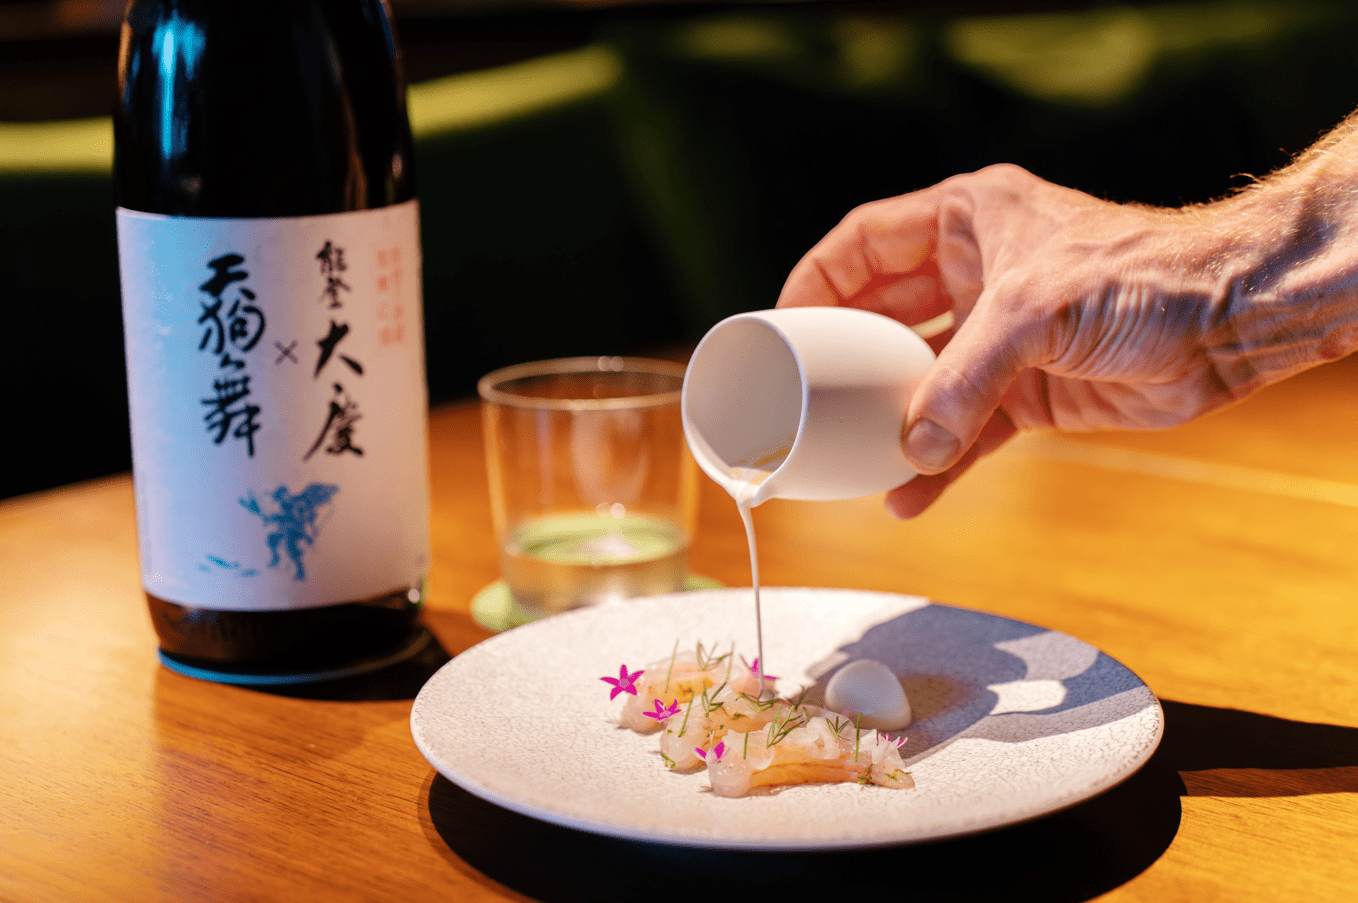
(1287, 257)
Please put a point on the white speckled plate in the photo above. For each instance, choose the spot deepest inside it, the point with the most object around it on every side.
(1012, 721)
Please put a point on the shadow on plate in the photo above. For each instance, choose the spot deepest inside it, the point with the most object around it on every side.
(980, 675)
(1073, 855)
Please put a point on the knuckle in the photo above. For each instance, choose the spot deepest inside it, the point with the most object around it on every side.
(1008, 176)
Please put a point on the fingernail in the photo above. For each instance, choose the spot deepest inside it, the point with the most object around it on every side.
(929, 446)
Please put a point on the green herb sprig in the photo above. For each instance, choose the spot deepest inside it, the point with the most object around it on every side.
(779, 728)
(707, 661)
(709, 703)
(762, 705)
(670, 672)
(683, 726)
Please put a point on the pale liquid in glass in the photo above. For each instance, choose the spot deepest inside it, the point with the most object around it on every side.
(569, 560)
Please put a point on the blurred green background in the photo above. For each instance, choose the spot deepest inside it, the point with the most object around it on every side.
(614, 178)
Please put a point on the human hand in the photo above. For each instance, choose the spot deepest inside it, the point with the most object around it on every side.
(1070, 312)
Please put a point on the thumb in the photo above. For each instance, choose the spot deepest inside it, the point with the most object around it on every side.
(961, 391)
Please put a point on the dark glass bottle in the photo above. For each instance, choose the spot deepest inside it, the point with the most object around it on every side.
(267, 110)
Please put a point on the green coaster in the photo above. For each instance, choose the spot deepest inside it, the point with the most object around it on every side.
(494, 608)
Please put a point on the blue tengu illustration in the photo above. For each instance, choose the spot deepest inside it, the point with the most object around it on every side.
(295, 522)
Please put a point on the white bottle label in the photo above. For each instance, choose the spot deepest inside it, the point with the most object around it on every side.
(276, 384)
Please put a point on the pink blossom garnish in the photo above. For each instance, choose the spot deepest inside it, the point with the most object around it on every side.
(754, 669)
(623, 683)
(716, 751)
(662, 713)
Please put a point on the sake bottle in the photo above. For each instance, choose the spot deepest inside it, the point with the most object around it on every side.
(268, 243)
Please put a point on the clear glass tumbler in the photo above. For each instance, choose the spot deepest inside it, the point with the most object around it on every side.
(593, 489)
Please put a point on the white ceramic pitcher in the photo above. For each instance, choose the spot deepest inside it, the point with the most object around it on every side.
(828, 387)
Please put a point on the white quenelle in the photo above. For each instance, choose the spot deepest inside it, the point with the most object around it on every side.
(869, 692)
(811, 399)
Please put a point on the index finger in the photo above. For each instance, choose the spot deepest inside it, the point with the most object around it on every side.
(880, 240)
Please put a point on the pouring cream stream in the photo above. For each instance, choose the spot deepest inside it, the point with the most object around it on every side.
(743, 484)
(806, 404)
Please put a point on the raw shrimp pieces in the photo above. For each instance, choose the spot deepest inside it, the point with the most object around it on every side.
(716, 715)
(655, 690)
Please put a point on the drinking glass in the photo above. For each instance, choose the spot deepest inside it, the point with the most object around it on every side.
(593, 490)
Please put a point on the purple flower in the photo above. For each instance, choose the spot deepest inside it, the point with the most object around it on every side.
(716, 752)
(661, 713)
(623, 683)
(754, 669)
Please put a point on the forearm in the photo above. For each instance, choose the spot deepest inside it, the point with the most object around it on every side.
(1291, 278)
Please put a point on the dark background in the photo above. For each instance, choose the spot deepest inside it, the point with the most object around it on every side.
(737, 135)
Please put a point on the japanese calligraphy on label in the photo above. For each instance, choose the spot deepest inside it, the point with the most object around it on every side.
(278, 405)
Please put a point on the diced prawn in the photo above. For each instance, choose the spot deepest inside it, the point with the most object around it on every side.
(703, 723)
(814, 751)
(678, 679)
(721, 715)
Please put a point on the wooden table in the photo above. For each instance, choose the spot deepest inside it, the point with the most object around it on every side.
(1219, 561)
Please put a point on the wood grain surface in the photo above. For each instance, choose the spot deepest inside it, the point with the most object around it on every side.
(1218, 561)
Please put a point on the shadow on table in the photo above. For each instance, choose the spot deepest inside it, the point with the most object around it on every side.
(401, 680)
(1230, 753)
(1073, 855)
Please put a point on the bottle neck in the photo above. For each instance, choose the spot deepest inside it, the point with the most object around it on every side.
(253, 108)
